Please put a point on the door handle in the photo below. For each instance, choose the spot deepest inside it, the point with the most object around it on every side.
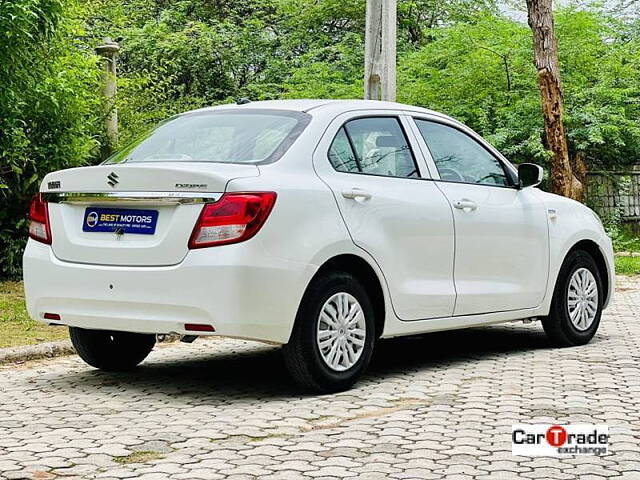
(464, 204)
(356, 194)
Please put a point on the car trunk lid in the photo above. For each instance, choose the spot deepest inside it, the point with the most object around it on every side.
(134, 214)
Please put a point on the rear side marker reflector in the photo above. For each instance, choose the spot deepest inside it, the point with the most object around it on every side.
(51, 316)
(199, 327)
(234, 218)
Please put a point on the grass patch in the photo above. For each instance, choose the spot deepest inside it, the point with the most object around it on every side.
(627, 265)
(16, 328)
(138, 457)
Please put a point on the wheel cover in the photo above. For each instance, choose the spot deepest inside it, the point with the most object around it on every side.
(341, 332)
(582, 299)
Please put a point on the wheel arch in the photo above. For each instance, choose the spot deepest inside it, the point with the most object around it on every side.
(365, 273)
(593, 249)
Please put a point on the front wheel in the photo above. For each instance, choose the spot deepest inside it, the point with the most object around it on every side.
(111, 351)
(577, 302)
(334, 334)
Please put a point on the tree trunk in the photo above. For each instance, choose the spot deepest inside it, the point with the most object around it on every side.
(567, 174)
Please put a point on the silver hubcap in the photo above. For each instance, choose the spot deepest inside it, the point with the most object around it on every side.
(341, 332)
(582, 299)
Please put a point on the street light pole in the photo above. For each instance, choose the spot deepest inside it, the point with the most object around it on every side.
(380, 51)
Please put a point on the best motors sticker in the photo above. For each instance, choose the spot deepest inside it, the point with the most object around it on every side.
(125, 220)
(554, 440)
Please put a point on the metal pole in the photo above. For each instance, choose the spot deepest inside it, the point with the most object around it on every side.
(109, 52)
(380, 50)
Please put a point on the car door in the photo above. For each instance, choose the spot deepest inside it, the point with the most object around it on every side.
(502, 246)
(391, 210)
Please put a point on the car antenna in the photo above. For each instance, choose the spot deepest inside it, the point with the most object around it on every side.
(243, 101)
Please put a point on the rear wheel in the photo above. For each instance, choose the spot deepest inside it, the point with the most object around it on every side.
(334, 334)
(577, 302)
(111, 351)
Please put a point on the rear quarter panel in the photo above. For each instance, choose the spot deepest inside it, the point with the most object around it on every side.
(305, 227)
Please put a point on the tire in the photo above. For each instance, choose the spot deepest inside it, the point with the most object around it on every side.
(111, 351)
(303, 355)
(558, 326)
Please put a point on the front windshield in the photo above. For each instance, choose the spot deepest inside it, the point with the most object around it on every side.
(223, 136)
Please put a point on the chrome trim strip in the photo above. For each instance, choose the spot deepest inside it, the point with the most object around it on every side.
(171, 198)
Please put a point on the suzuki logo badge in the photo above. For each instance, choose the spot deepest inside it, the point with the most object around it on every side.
(113, 179)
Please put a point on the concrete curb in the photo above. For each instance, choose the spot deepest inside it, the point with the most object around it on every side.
(36, 352)
(53, 350)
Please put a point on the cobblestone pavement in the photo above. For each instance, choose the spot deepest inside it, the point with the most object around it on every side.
(434, 406)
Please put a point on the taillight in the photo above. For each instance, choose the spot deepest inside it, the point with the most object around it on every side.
(39, 228)
(234, 218)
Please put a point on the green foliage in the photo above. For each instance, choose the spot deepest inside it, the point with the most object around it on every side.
(194, 53)
(482, 74)
(476, 65)
(600, 62)
(627, 241)
(462, 57)
(186, 55)
(49, 108)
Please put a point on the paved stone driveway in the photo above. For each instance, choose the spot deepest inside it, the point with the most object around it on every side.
(435, 406)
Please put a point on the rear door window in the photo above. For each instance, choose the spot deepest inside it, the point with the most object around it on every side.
(374, 146)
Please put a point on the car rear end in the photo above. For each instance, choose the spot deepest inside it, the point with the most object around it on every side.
(156, 241)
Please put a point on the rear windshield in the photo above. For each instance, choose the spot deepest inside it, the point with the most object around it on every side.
(231, 136)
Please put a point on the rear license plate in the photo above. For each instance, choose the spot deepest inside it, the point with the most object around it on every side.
(123, 220)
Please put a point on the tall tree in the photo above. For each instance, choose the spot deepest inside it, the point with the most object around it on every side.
(567, 174)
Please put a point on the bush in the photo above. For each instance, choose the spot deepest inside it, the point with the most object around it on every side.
(49, 109)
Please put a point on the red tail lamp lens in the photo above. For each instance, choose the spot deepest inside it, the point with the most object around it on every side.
(234, 218)
(39, 228)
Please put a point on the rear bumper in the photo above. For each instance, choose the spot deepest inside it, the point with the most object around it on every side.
(239, 289)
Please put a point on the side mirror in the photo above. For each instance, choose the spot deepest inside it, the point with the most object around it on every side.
(529, 175)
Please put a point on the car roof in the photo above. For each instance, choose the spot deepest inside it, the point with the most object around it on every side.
(311, 105)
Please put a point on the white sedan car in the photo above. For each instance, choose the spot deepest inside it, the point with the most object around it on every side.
(320, 225)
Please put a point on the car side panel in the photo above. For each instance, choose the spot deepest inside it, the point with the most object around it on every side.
(502, 248)
(305, 226)
(406, 225)
(572, 222)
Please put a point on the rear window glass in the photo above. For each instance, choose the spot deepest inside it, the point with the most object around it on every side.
(247, 136)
